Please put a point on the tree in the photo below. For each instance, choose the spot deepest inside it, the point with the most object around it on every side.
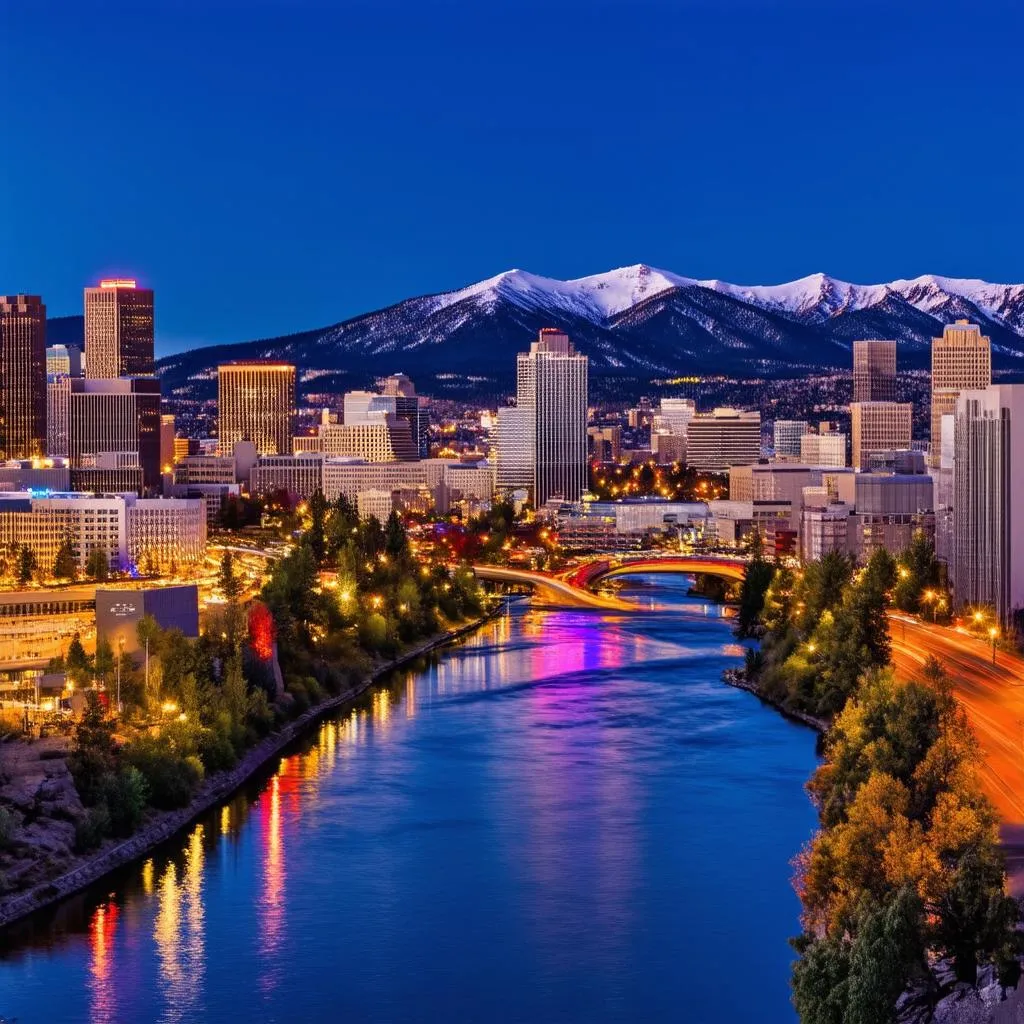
(396, 544)
(97, 565)
(26, 564)
(65, 564)
(753, 590)
(316, 535)
(227, 579)
(342, 522)
(235, 691)
(917, 572)
(78, 665)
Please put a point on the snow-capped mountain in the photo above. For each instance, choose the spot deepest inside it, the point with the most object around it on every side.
(635, 322)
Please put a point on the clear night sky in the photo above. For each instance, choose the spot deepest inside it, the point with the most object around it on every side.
(271, 166)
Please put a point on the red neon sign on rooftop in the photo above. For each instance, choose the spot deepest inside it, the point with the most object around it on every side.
(118, 282)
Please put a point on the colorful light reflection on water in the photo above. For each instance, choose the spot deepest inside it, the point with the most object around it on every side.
(567, 817)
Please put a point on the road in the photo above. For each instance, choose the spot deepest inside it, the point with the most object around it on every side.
(993, 697)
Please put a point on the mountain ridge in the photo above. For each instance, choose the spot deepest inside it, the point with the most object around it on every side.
(637, 322)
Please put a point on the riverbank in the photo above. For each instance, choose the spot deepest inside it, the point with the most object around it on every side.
(163, 825)
(736, 677)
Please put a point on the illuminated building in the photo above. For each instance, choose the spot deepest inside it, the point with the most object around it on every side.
(961, 360)
(548, 431)
(723, 438)
(787, 435)
(58, 416)
(383, 437)
(674, 415)
(256, 402)
(300, 475)
(22, 376)
(116, 415)
(118, 330)
(374, 503)
(879, 427)
(166, 531)
(874, 371)
(63, 361)
(988, 499)
(166, 443)
(398, 401)
(828, 449)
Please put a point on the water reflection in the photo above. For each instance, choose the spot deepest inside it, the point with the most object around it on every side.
(513, 809)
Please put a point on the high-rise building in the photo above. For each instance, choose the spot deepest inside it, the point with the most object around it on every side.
(551, 382)
(118, 330)
(166, 443)
(723, 438)
(988, 499)
(961, 360)
(58, 416)
(256, 402)
(874, 371)
(118, 415)
(787, 435)
(674, 415)
(63, 361)
(514, 449)
(828, 449)
(22, 376)
(879, 427)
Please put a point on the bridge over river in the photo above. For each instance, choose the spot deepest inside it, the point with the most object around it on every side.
(575, 589)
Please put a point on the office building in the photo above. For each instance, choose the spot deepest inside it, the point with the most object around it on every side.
(58, 416)
(514, 449)
(35, 475)
(116, 415)
(166, 443)
(605, 443)
(63, 361)
(119, 612)
(828, 449)
(551, 390)
(988, 499)
(787, 435)
(22, 376)
(674, 415)
(300, 475)
(256, 402)
(879, 427)
(382, 437)
(723, 438)
(165, 532)
(961, 360)
(874, 371)
(398, 401)
(668, 448)
(118, 330)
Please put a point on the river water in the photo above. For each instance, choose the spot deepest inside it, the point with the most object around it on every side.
(567, 817)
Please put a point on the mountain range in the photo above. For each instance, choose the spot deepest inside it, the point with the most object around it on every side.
(636, 323)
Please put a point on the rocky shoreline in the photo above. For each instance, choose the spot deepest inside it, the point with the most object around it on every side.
(91, 867)
(736, 677)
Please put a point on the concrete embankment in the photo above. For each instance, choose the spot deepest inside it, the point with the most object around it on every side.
(216, 788)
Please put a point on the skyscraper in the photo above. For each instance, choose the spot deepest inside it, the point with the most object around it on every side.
(723, 438)
(552, 393)
(787, 435)
(874, 371)
(22, 376)
(118, 330)
(988, 499)
(117, 417)
(256, 402)
(879, 427)
(961, 360)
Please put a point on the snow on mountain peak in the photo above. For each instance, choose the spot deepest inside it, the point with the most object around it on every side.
(814, 298)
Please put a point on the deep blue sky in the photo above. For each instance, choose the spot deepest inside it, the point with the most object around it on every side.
(270, 166)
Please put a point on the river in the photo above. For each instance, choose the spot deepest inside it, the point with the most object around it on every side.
(566, 817)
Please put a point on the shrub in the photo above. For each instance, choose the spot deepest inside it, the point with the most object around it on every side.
(8, 827)
(172, 778)
(216, 751)
(91, 828)
(125, 795)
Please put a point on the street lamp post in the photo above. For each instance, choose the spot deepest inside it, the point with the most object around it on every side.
(120, 656)
(993, 633)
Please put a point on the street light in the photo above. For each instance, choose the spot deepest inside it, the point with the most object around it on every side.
(993, 632)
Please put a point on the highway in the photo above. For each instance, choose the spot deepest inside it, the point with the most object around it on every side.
(993, 697)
